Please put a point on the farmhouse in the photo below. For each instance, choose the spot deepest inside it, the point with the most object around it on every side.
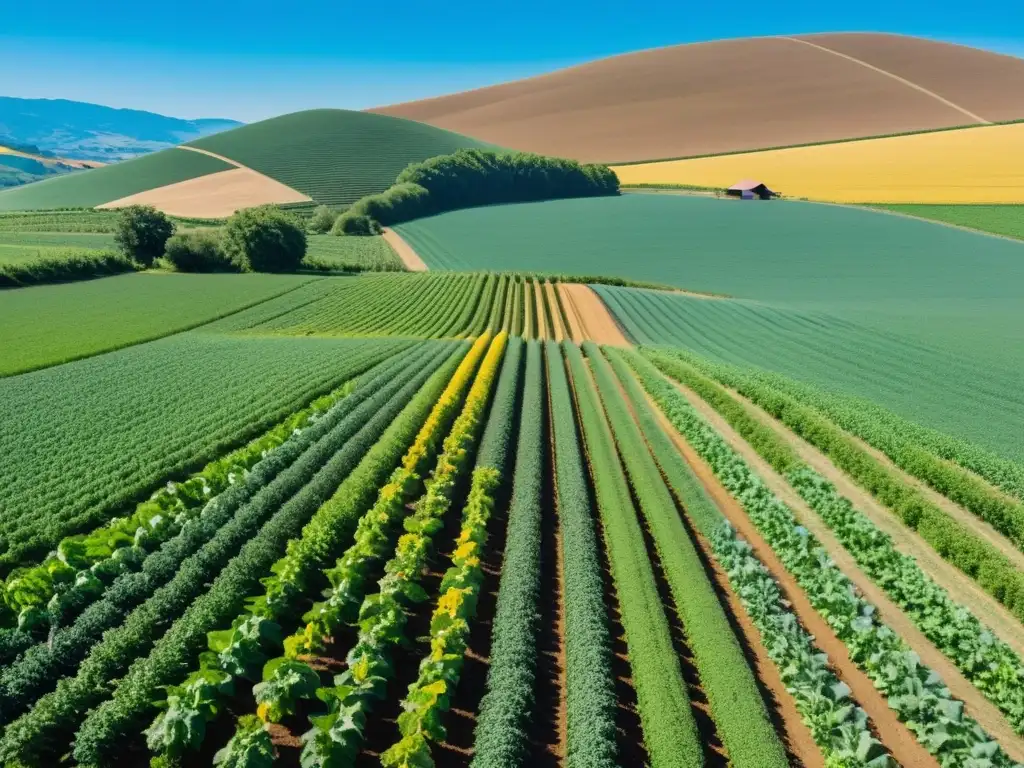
(748, 189)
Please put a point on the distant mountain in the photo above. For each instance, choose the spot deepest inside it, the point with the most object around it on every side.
(81, 131)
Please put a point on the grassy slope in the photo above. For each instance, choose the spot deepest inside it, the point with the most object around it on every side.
(1006, 220)
(19, 247)
(112, 182)
(925, 384)
(46, 325)
(335, 156)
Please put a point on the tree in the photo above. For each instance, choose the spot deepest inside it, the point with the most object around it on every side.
(264, 239)
(142, 233)
(322, 220)
(197, 251)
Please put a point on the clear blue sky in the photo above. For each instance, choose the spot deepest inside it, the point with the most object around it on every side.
(250, 60)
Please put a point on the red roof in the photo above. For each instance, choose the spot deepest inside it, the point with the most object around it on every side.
(746, 184)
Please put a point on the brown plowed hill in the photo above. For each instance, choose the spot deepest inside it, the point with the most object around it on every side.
(733, 95)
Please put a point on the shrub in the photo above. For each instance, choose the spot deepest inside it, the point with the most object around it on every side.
(322, 220)
(68, 265)
(350, 223)
(197, 251)
(264, 239)
(142, 233)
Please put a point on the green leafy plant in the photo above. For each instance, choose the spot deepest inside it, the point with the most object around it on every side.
(142, 233)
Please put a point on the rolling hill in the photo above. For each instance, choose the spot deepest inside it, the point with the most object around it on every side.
(330, 156)
(733, 95)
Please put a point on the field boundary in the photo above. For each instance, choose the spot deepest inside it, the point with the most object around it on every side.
(407, 254)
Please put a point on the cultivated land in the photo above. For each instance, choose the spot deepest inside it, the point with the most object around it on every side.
(733, 95)
(1006, 220)
(975, 165)
(533, 505)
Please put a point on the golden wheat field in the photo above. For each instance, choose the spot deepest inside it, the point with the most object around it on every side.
(972, 165)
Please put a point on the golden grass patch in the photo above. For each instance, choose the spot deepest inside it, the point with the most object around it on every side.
(972, 165)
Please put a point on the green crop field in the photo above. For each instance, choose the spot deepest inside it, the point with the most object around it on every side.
(1006, 220)
(50, 324)
(335, 156)
(355, 253)
(80, 220)
(981, 402)
(94, 187)
(28, 246)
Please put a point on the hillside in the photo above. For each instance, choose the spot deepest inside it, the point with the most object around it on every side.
(84, 131)
(733, 95)
(331, 156)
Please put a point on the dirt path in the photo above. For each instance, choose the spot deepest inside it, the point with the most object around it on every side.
(576, 328)
(961, 588)
(597, 322)
(409, 257)
(975, 704)
(539, 315)
(223, 159)
(559, 331)
(890, 731)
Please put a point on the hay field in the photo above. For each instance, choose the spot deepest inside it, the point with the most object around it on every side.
(972, 165)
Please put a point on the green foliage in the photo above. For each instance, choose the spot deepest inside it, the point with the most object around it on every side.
(474, 177)
(142, 233)
(739, 714)
(250, 746)
(75, 220)
(322, 220)
(356, 224)
(335, 156)
(64, 265)
(590, 688)
(98, 432)
(913, 691)
(87, 189)
(670, 732)
(264, 239)
(58, 323)
(197, 251)
(353, 254)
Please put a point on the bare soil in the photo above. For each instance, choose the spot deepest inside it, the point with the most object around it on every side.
(975, 704)
(409, 257)
(559, 332)
(214, 196)
(733, 95)
(596, 322)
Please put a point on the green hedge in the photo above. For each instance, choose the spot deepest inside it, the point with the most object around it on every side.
(72, 265)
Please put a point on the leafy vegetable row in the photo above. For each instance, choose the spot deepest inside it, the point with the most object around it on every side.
(913, 691)
(977, 558)
(991, 665)
(383, 616)
(27, 593)
(670, 731)
(838, 725)
(255, 634)
(740, 716)
(246, 545)
(210, 539)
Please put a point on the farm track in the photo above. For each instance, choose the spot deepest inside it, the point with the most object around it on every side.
(891, 732)
(962, 589)
(406, 253)
(975, 703)
(596, 322)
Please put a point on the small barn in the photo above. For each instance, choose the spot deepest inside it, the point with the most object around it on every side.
(748, 189)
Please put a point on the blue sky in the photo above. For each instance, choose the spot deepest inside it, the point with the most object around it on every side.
(250, 60)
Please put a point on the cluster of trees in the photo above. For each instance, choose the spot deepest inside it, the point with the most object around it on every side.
(472, 177)
(263, 239)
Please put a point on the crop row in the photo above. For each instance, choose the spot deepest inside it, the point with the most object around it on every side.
(84, 564)
(926, 454)
(231, 556)
(913, 691)
(838, 726)
(240, 652)
(739, 713)
(118, 425)
(991, 665)
(670, 731)
(968, 551)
